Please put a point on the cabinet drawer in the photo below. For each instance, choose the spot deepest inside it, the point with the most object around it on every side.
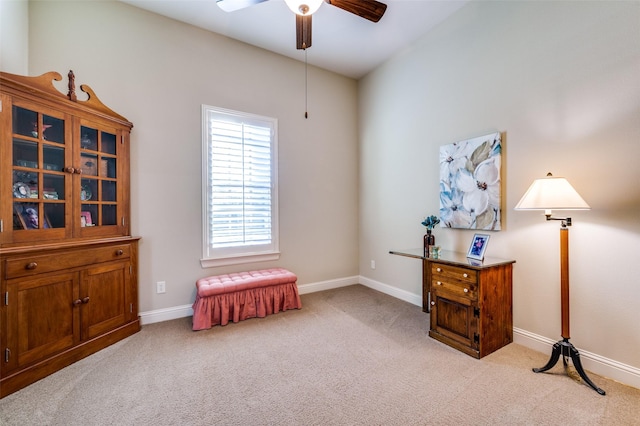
(454, 280)
(31, 265)
(458, 288)
(440, 271)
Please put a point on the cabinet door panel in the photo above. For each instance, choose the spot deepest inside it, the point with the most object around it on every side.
(101, 158)
(453, 317)
(46, 317)
(38, 149)
(107, 288)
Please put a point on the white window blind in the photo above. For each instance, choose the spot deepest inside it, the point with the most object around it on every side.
(240, 199)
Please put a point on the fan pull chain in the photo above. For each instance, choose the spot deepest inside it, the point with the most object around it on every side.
(306, 114)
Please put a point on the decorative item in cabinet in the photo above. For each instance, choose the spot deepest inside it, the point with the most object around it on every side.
(29, 217)
(89, 166)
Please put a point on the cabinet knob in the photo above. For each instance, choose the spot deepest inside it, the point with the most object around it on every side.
(466, 290)
(69, 169)
(439, 269)
(31, 266)
(433, 303)
(119, 252)
(465, 275)
(85, 300)
(77, 302)
(78, 171)
(439, 282)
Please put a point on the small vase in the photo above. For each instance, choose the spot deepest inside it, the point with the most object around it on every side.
(429, 240)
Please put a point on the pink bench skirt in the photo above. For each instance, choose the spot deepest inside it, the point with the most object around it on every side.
(239, 296)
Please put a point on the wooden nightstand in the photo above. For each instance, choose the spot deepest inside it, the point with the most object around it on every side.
(470, 302)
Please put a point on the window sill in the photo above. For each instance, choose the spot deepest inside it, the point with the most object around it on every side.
(236, 260)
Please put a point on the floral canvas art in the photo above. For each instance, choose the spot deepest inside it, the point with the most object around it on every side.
(470, 194)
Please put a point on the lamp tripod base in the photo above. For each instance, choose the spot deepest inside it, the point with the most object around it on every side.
(566, 349)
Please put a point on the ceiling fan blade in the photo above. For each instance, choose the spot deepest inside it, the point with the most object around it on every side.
(367, 9)
(303, 31)
(232, 5)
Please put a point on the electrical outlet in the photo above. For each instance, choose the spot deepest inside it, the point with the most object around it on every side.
(161, 287)
(373, 264)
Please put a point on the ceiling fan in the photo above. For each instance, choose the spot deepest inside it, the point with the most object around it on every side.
(367, 9)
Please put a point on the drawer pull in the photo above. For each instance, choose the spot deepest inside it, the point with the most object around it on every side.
(466, 290)
(439, 282)
(119, 253)
(465, 275)
(77, 302)
(433, 303)
(439, 269)
(85, 300)
(31, 266)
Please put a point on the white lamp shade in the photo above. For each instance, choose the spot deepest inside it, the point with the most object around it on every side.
(303, 7)
(551, 193)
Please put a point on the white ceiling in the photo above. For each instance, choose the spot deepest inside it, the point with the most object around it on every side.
(342, 42)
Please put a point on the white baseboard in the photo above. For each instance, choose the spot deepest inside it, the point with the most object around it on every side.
(595, 363)
(166, 314)
(327, 285)
(414, 299)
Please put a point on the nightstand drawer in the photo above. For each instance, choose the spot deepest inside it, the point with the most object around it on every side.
(444, 272)
(32, 265)
(463, 289)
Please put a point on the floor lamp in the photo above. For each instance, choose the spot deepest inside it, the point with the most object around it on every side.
(556, 193)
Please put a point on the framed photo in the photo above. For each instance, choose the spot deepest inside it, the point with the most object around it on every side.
(85, 219)
(478, 246)
(26, 217)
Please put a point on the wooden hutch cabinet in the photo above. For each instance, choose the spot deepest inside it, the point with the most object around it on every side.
(68, 262)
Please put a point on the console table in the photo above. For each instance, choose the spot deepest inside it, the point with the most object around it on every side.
(469, 301)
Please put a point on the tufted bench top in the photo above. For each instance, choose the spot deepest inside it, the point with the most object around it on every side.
(228, 283)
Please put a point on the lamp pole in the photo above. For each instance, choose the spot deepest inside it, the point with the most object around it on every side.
(564, 347)
(564, 280)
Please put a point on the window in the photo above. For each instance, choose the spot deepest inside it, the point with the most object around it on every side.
(240, 197)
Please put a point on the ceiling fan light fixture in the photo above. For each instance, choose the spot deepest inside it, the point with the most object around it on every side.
(303, 7)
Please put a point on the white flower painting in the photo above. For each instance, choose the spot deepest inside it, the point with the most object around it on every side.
(470, 183)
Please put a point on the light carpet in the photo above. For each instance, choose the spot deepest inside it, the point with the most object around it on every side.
(350, 356)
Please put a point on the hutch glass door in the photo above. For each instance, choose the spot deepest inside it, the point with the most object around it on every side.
(40, 184)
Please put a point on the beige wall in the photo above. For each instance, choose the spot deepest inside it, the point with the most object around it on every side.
(562, 81)
(158, 72)
(14, 40)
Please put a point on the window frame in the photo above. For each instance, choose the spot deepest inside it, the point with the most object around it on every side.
(212, 257)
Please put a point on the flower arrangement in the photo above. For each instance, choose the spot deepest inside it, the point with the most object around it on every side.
(430, 222)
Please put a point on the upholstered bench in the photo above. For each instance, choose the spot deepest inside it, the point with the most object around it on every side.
(244, 295)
